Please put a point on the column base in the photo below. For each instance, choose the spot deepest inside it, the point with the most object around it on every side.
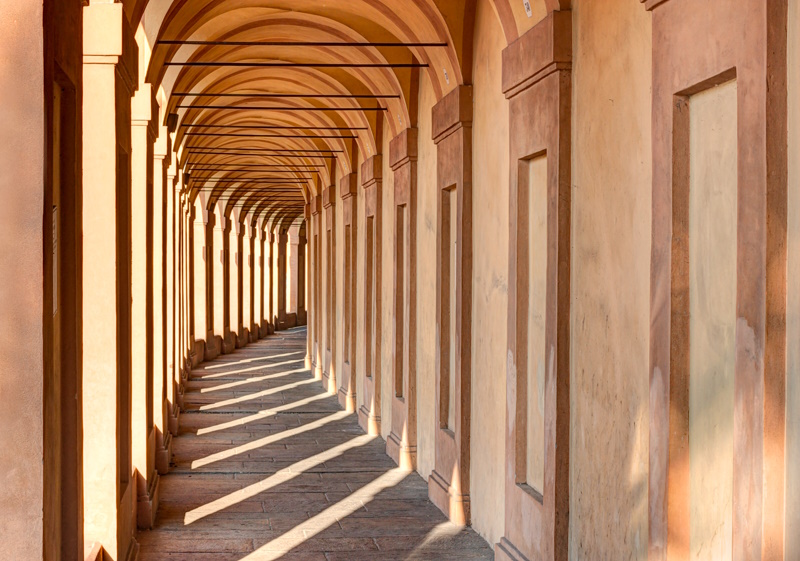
(147, 502)
(347, 400)
(369, 422)
(197, 353)
(213, 347)
(252, 335)
(453, 505)
(404, 456)
(317, 372)
(263, 330)
(241, 339)
(329, 382)
(163, 451)
(228, 343)
(172, 419)
(504, 550)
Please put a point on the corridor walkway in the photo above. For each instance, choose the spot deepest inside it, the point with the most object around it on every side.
(267, 466)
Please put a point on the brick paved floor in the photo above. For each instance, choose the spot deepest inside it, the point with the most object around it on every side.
(267, 466)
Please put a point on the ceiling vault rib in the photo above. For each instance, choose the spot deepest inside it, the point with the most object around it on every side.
(274, 127)
(288, 96)
(304, 43)
(222, 63)
(278, 108)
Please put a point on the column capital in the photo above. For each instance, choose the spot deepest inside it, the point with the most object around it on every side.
(108, 39)
(403, 148)
(348, 186)
(329, 197)
(372, 171)
(451, 113)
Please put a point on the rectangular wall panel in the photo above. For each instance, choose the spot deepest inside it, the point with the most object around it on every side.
(712, 322)
(537, 304)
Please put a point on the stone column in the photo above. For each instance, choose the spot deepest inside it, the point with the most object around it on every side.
(270, 276)
(301, 278)
(318, 312)
(369, 415)
(218, 274)
(263, 314)
(241, 339)
(291, 270)
(348, 187)
(197, 278)
(247, 279)
(329, 298)
(402, 442)
(144, 120)
(282, 241)
(258, 284)
(109, 77)
(161, 396)
(173, 302)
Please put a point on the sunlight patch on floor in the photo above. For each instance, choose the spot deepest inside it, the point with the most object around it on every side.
(256, 395)
(267, 440)
(252, 380)
(283, 476)
(282, 545)
(225, 364)
(261, 415)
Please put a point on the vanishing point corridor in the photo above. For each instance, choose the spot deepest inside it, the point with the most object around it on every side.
(268, 466)
(384, 280)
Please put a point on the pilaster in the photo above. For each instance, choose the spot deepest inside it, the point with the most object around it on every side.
(449, 483)
(369, 415)
(402, 442)
(109, 78)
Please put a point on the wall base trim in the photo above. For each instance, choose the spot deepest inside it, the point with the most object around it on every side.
(347, 399)
(456, 507)
(402, 454)
(147, 503)
(504, 550)
(369, 422)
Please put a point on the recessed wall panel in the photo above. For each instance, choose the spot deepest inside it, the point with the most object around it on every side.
(537, 303)
(712, 323)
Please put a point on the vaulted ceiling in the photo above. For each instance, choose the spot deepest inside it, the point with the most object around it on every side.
(274, 100)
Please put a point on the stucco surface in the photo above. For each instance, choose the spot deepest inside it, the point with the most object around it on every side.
(21, 274)
(490, 273)
(426, 283)
(793, 294)
(611, 201)
(712, 323)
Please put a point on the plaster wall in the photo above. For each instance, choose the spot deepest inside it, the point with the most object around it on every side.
(426, 282)
(21, 274)
(793, 293)
(611, 217)
(712, 323)
(490, 184)
(387, 293)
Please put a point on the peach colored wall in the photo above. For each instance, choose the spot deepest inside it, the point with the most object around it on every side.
(21, 274)
(611, 200)
(490, 205)
(426, 282)
(793, 296)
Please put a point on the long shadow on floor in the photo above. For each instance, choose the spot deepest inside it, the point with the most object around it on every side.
(267, 466)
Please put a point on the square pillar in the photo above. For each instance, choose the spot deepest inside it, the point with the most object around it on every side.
(329, 314)
(402, 442)
(218, 280)
(537, 438)
(144, 121)
(109, 77)
(348, 187)
(161, 400)
(281, 239)
(369, 415)
(302, 317)
(316, 285)
(448, 485)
